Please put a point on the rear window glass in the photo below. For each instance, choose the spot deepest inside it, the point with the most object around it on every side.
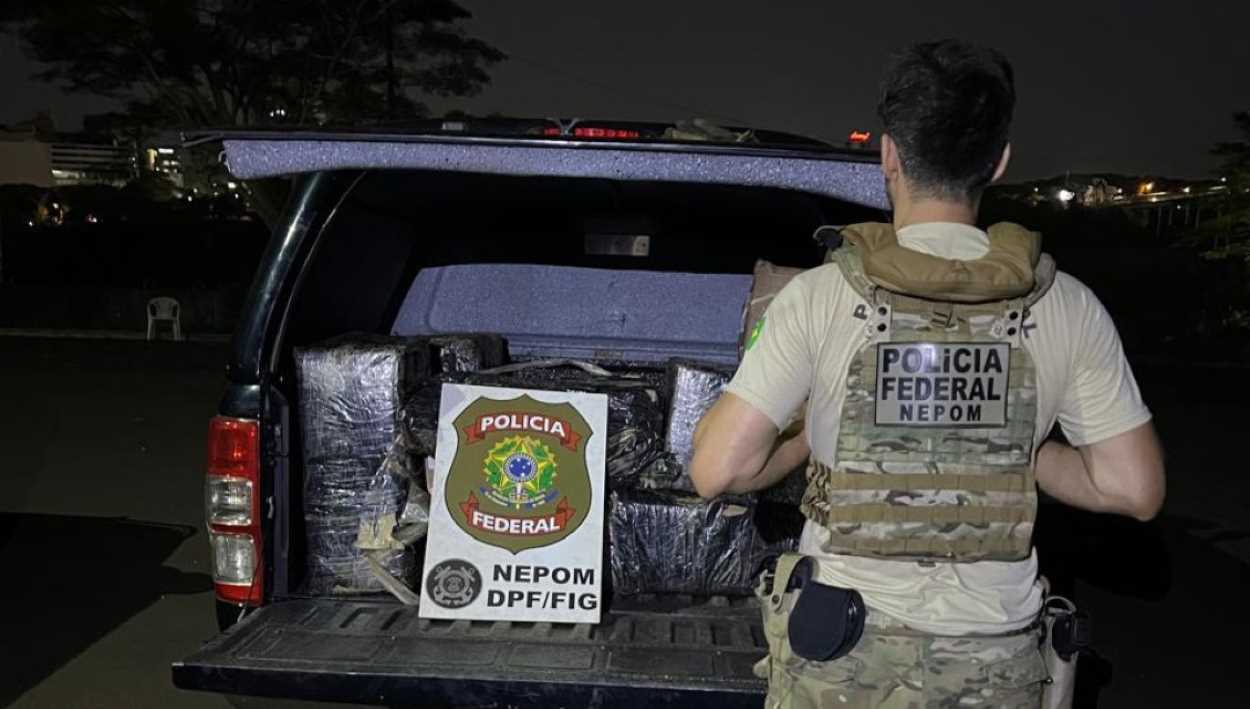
(394, 224)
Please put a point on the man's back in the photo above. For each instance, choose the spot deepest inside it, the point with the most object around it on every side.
(1083, 382)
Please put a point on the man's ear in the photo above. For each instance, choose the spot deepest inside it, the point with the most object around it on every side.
(1002, 163)
(890, 164)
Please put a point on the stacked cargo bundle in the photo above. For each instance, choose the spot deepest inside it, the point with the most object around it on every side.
(369, 407)
(666, 539)
(669, 542)
(364, 502)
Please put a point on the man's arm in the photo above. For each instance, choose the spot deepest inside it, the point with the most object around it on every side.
(733, 450)
(734, 442)
(1122, 474)
(1117, 464)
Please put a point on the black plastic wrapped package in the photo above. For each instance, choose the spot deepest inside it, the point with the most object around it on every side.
(452, 358)
(420, 415)
(466, 353)
(694, 388)
(666, 542)
(356, 467)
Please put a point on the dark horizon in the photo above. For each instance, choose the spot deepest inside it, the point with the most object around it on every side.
(1096, 92)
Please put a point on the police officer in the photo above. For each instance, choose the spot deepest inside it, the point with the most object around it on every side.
(934, 359)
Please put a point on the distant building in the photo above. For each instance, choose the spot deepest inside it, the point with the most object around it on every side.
(92, 164)
(164, 158)
(1161, 204)
(33, 153)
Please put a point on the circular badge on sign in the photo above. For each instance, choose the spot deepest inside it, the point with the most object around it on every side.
(453, 583)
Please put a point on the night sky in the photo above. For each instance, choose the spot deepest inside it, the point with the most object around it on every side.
(1134, 87)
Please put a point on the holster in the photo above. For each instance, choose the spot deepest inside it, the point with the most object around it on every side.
(804, 619)
(1067, 634)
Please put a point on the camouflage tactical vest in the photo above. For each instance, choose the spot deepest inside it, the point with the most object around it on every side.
(934, 458)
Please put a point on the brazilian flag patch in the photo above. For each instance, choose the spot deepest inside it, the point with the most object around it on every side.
(755, 332)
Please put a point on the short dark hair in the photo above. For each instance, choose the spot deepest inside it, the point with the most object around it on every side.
(947, 105)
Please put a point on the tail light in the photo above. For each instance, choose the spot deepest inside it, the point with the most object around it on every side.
(589, 132)
(232, 508)
(595, 132)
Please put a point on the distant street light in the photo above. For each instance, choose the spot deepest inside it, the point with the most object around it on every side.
(1066, 196)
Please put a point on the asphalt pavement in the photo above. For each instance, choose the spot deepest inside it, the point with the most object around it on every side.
(106, 572)
(101, 521)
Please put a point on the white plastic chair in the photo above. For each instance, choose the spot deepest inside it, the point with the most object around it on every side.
(163, 309)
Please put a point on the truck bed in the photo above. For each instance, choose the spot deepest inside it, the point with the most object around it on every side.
(677, 652)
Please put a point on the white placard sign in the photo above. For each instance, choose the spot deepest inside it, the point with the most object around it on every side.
(516, 511)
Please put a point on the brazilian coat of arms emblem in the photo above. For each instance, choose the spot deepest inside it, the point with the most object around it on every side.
(519, 479)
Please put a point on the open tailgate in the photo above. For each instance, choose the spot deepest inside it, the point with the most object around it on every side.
(375, 651)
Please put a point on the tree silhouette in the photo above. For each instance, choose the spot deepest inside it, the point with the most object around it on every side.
(1231, 233)
(1236, 157)
(1235, 170)
(202, 63)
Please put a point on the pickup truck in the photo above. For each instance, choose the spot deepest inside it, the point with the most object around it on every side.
(368, 214)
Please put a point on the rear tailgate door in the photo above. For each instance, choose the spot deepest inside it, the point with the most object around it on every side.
(380, 652)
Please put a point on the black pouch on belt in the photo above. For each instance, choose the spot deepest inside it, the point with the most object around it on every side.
(827, 621)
